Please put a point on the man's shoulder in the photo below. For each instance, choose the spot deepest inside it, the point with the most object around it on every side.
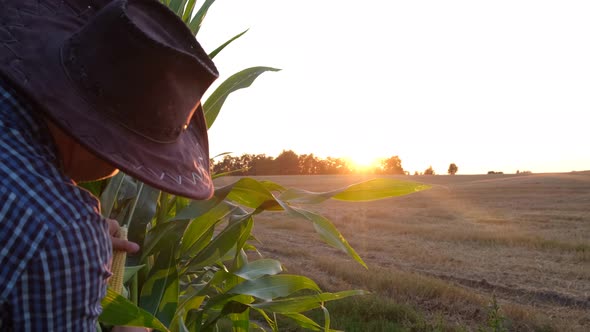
(35, 186)
(29, 168)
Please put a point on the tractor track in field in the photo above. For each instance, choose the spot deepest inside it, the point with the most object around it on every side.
(520, 295)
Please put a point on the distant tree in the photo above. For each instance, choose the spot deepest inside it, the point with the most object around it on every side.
(227, 164)
(262, 164)
(244, 163)
(288, 162)
(332, 165)
(429, 171)
(309, 164)
(392, 165)
(416, 173)
(453, 169)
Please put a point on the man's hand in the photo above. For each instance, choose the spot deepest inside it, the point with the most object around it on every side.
(129, 247)
(119, 244)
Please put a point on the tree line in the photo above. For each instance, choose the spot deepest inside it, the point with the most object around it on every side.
(290, 163)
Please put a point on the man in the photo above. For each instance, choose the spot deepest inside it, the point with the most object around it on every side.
(87, 88)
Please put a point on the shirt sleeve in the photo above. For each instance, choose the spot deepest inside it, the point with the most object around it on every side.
(62, 287)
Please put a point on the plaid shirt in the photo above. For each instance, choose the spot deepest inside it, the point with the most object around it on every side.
(54, 245)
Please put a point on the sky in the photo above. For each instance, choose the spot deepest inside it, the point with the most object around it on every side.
(487, 85)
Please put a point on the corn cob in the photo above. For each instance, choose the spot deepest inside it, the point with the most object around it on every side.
(118, 267)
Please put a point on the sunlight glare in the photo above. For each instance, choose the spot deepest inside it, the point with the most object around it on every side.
(363, 162)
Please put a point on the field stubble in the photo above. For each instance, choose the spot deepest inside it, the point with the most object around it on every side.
(448, 250)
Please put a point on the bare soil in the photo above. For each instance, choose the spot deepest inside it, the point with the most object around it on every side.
(523, 238)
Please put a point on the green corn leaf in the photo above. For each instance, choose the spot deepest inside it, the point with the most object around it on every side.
(128, 190)
(231, 307)
(325, 229)
(304, 303)
(117, 310)
(218, 175)
(221, 244)
(248, 192)
(273, 186)
(180, 327)
(192, 302)
(95, 187)
(194, 321)
(163, 236)
(270, 287)
(195, 209)
(240, 80)
(218, 302)
(159, 294)
(194, 239)
(326, 318)
(180, 203)
(144, 213)
(164, 206)
(259, 268)
(167, 234)
(200, 243)
(241, 241)
(109, 195)
(224, 45)
(364, 191)
(177, 6)
(130, 271)
(234, 307)
(221, 154)
(378, 189)
(241, 257)
(224, 304)
(272, 323)
(186, 16)
(303, 321)
(241, 321)
(195, 23)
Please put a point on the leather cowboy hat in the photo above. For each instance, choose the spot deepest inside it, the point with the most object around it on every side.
(123, 77)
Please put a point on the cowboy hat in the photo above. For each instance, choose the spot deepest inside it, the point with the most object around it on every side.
(124, 78)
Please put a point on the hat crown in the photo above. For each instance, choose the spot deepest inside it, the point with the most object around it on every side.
(128, 65)
(121, 77)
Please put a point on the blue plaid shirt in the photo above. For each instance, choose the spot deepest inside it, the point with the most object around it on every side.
(55, 249)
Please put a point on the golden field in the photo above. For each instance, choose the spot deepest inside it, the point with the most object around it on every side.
(447, 251)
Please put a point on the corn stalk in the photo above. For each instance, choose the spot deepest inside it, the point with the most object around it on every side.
(195, 271)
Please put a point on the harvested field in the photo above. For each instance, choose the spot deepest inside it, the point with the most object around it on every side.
(524, 239)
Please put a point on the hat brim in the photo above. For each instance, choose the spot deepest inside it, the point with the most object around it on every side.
(180, 168)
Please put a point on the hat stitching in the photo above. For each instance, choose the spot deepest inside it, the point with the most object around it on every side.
(196, 177)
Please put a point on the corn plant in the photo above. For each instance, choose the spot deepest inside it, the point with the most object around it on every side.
(198, 268)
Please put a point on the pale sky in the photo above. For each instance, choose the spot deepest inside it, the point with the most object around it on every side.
(489, 85)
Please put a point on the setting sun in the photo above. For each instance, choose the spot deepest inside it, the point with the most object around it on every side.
(363, 162)
(424, 91)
